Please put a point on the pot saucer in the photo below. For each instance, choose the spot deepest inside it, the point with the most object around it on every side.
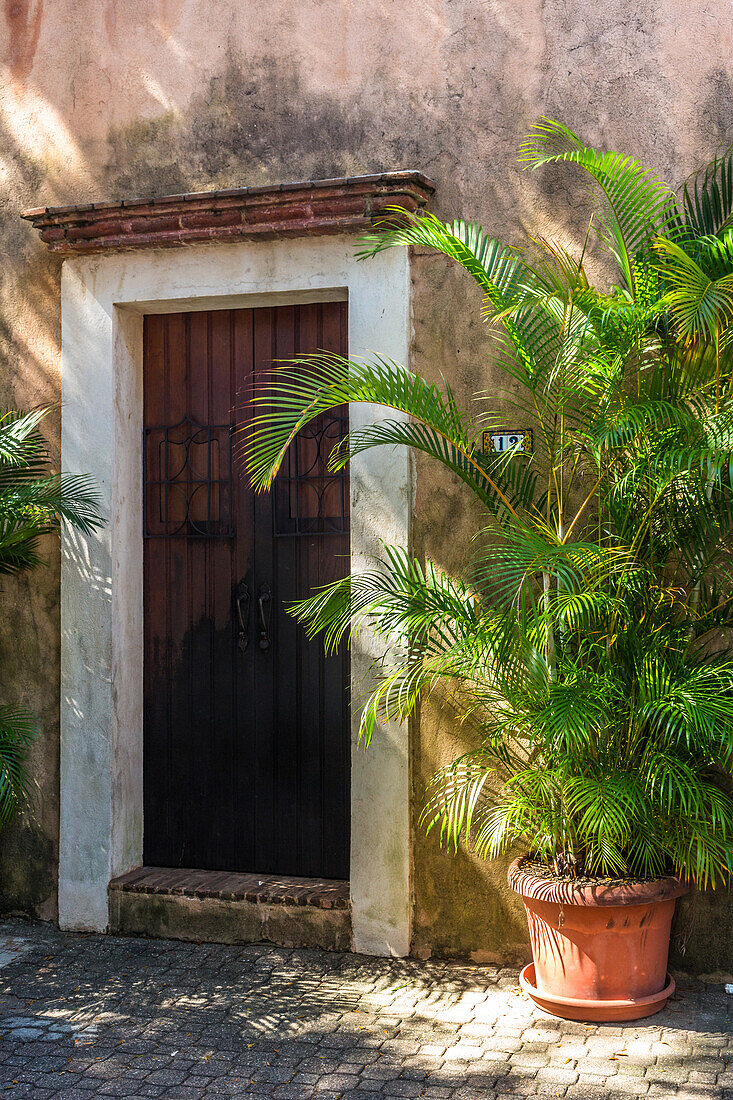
(574, 1008)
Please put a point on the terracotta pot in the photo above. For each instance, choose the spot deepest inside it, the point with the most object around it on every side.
(600, 950)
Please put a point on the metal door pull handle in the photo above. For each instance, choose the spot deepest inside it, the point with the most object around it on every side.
(243, 616)
(265, 597)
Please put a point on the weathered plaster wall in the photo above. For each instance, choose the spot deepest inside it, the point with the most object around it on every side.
(104, 98)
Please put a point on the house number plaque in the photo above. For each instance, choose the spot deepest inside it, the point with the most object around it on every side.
(521, 439)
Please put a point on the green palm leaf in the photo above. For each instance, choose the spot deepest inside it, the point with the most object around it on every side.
(634, 202)
(17, 733)
(294, 398)
(708, 196)
(495, 267)
(700, 304)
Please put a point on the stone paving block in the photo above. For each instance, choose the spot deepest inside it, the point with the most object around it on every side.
(606, 1067)
(629, 1086)
(706, 1064)
(589, 1090)
(516, 1086)
(542, 1030)
(668, 1074)
(570, 1047)
(431, 1050)
(410, 1074)
(506, 1045)
(380, 1072)
(529, 1058)
(562, 1060)
(554, 1075)
(463, 1052)
(496, 1062)
(183, 1092)
(630, 1069)
(672, 1048)
(337, 1081)
(477, 1031)
(72, 1091)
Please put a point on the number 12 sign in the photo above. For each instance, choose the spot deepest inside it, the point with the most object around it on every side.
(499, 442)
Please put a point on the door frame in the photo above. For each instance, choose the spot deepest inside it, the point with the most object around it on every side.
(104, 299)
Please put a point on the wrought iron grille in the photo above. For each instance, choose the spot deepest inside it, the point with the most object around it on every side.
(309, 498)
(188, 480)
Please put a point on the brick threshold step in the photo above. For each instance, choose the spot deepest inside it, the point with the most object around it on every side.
(231, 886)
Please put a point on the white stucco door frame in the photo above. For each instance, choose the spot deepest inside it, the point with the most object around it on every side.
(104, 299)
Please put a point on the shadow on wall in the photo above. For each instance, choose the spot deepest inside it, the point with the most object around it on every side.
(29, 625)
(463, 904)
(257, 123)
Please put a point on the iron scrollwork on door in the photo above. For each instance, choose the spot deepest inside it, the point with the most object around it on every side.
(188, 480)
(310, 499)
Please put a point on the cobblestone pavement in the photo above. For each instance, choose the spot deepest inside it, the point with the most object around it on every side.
(95, 1016)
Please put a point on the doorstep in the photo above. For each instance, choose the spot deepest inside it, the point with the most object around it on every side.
(224, 907)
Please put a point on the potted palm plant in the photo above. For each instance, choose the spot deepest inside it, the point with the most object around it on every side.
(586, 639)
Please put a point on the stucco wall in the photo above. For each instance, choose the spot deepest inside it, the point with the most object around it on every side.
(102, 99)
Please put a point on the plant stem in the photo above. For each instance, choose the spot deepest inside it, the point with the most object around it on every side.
(550, 654)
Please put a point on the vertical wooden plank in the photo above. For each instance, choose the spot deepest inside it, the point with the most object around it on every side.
(286, 672)
(265, 825)
(202, 786)
(221, 655)
(244, 756)
(181, 752)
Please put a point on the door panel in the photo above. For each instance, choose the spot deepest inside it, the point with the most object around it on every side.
(246, 746)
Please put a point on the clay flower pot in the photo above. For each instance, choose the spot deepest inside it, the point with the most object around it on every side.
(600, 949)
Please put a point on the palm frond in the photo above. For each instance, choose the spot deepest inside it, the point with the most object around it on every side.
(708, 196)
(495, 267)
(699, 303)
(633, 203)
(294, 398)
(17, 732)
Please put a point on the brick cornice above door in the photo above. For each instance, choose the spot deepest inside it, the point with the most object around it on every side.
(313, 207)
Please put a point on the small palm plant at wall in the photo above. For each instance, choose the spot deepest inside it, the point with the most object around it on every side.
(33, 501)
(588, 638)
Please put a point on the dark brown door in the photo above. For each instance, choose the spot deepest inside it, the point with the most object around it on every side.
(246, 727)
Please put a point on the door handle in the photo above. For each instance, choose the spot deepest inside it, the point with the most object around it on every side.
(264, 602)
(243, 616)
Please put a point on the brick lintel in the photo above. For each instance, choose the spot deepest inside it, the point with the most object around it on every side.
(283, 210)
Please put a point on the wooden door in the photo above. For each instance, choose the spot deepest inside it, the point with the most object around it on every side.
(246, 724)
